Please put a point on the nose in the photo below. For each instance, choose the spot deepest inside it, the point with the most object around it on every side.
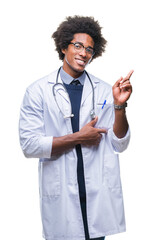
(83, 53)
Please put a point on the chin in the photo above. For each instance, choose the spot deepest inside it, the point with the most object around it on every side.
(78, 69)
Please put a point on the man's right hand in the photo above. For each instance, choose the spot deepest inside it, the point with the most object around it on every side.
(89, 135)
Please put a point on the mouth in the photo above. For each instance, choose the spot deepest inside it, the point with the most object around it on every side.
(80, 62)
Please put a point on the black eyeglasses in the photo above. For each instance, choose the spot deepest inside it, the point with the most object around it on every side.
(79, 48)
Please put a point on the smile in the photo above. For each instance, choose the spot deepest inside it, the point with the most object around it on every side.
(80, 61)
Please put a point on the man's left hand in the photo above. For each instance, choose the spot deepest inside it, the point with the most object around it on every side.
(122, 89)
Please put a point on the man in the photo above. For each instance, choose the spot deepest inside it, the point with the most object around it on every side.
(76, 124)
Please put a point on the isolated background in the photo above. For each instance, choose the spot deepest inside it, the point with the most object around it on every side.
(26, 54)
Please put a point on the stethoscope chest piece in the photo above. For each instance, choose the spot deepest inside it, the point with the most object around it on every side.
(92, 114)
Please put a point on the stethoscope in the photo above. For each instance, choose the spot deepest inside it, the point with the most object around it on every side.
(92, 112)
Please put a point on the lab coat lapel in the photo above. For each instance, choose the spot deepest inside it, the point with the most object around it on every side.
(87, 89)
(52, 79)
(63, 91)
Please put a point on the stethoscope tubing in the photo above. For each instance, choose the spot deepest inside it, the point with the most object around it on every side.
(92, 113)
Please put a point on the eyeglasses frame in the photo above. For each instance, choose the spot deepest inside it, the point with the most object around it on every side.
(86, 48)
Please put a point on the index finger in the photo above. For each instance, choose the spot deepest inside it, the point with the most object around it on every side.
(102, 130)
(129, 74)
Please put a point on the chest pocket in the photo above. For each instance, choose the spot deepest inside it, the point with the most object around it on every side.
(104, 114)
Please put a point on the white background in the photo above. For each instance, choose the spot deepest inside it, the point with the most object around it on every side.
(26, 54)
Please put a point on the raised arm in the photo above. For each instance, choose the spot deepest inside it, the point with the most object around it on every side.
(122, 90)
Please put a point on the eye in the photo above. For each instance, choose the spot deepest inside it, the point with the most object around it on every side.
(77, 46)
(90, 50)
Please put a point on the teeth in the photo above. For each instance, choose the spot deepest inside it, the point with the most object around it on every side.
(81, 62)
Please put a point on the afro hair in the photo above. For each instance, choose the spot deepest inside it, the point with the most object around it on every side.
(77, 24)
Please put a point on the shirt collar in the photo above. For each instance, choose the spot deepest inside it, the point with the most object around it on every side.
(67, 79)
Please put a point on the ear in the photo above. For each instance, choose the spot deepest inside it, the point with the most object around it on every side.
(63, 51)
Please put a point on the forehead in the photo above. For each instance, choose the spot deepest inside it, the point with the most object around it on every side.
(84, 38)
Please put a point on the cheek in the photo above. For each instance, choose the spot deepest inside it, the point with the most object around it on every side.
(70, 57)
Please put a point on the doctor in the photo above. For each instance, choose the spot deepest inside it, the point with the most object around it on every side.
(79, 179)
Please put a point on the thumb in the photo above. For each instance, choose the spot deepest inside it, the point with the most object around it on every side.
(93, 122)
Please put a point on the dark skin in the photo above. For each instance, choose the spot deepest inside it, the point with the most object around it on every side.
(122, 90)
(74, 64)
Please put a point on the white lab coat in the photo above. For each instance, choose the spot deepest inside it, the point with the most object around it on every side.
(40, 120)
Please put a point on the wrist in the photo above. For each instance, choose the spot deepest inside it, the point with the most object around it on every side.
(77, 138)
(118, 106)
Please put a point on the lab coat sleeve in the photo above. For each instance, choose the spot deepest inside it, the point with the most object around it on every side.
(33, 141)
(119, 144)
